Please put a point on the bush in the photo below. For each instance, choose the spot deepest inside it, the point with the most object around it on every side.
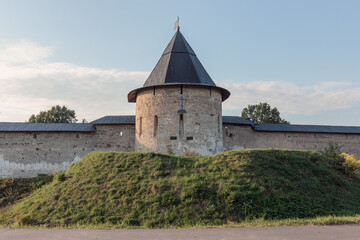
(351, 164)
(333, 149)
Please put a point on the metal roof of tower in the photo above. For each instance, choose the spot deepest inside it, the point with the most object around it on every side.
(178, 65)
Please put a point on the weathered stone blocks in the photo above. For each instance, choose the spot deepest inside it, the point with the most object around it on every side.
(159, 126)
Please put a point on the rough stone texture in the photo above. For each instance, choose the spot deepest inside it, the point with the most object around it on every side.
(242, 136)
(26, 154)
(202, 122)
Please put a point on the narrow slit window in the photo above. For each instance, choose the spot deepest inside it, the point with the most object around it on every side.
(155, 124)
(154, 91)
(181, 125)
(140, 126)
(181, 89)
(210, 91)
(218, 124)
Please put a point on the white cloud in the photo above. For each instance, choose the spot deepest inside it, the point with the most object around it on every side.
(294, 99)
(24, 52)
(28, 84)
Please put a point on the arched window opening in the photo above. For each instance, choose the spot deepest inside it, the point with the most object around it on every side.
(155, 125)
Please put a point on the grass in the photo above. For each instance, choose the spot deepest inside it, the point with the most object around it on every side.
(237, 188)
(15, 189)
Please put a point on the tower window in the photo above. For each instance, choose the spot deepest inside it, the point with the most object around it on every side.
(155, 125)
(140, 126)
(219, 125)
(181, 125)
(210, 91)
(181, 89)
(173, 137)
(189, 138)
(154, 91)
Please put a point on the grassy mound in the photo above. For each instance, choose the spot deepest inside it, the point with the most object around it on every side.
(14, 189)
(155, 190)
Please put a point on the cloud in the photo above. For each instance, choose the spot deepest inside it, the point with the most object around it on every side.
(293, 99)
(24, 52)
(28, 84)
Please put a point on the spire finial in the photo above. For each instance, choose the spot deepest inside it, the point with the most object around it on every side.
(176, 26)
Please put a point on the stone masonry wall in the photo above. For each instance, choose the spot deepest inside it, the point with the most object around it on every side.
(242, 136)
(200, 130)
(26, 154)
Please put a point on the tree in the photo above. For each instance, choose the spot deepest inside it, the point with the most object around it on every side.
(56, 114)
(262, 113)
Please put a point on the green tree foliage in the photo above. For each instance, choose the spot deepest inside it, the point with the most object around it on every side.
(56, 114)
(262, 113)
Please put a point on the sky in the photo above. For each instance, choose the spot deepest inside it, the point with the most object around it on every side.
(302, 57)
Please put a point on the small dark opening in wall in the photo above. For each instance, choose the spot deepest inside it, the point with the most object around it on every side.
(189, 138)
(181, 89)
(173, 137)
(34, 136)
(77, 136)
(156, 120)
(140, 126)
(154, 91)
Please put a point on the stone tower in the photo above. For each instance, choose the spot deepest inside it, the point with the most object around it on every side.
(179, 107)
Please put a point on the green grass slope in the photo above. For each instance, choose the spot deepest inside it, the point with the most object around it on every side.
(14, 189)
(155, 190)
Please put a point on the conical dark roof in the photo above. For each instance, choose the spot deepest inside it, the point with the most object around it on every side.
(178, 65)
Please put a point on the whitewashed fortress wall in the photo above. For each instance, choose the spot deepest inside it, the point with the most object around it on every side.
(26, 154)
(243, 137)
